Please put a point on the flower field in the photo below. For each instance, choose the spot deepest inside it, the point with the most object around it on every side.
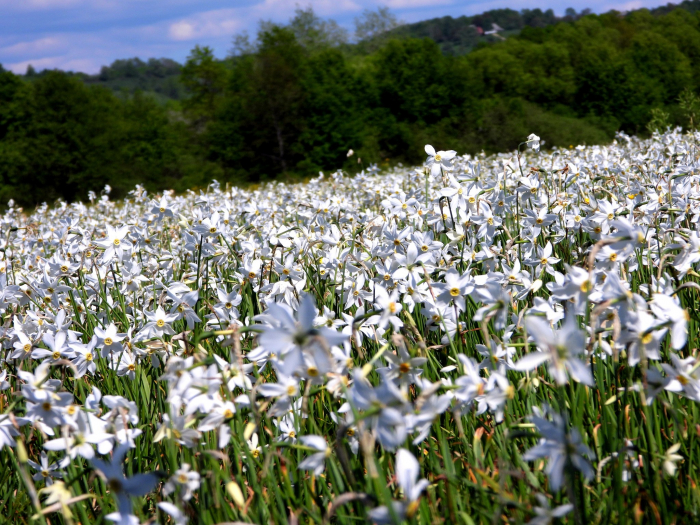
(502, 339)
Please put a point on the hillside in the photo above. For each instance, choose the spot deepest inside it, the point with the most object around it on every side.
(458, 36)
(159, 77)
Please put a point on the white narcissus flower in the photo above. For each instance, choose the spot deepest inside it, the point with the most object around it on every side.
(407, 473)
(671, 458)
(316, 461)
(545, 514)
(184, 479)
(121, 487)
(561, 446)
(178, 516)
(114, 244)
(438, 160)
(533, 142)
(559, 348)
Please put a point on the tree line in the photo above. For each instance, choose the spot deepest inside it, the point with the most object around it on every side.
(296, 98)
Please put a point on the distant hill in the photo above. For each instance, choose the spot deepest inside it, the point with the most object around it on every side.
(158, 77)
(459, 36)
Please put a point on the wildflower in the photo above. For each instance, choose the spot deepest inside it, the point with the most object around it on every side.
(533, 142)
(122, 488)
(315, 461)
(184, 480)
(561, 446)
(545, 514)
(407, 473)
(158, 325)
(109, 340)
(115, 243)
(442, 160)
(559, 348)
(47, 471)
(671, 458)
(178, 517)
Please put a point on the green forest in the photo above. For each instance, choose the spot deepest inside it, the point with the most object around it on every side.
(294, 99)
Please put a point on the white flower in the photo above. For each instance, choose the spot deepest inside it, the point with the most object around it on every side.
(533, 142)
(439, 160)
(316, 461)
(121, 487)
(184, 479)
(671, 458)
(558, 348)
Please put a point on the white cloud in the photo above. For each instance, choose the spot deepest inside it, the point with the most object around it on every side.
(181, 30)
(226, 22)
(40, 46)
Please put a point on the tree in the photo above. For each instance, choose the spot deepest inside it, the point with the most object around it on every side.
(374, 23)
(314, 33)
(204, 79)
(255, 133)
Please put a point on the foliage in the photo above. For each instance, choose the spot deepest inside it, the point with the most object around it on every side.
(297, 98)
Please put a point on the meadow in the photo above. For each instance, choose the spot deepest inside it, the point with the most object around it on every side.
(480, 339)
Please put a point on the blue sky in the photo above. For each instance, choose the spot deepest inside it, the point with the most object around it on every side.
(82, 35)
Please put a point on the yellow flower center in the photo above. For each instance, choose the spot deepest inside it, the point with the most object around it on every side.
(108, 341)
(454, 292)
(117, 242)
(160, 323)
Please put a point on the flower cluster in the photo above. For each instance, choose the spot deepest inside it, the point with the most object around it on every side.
(349, 326)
